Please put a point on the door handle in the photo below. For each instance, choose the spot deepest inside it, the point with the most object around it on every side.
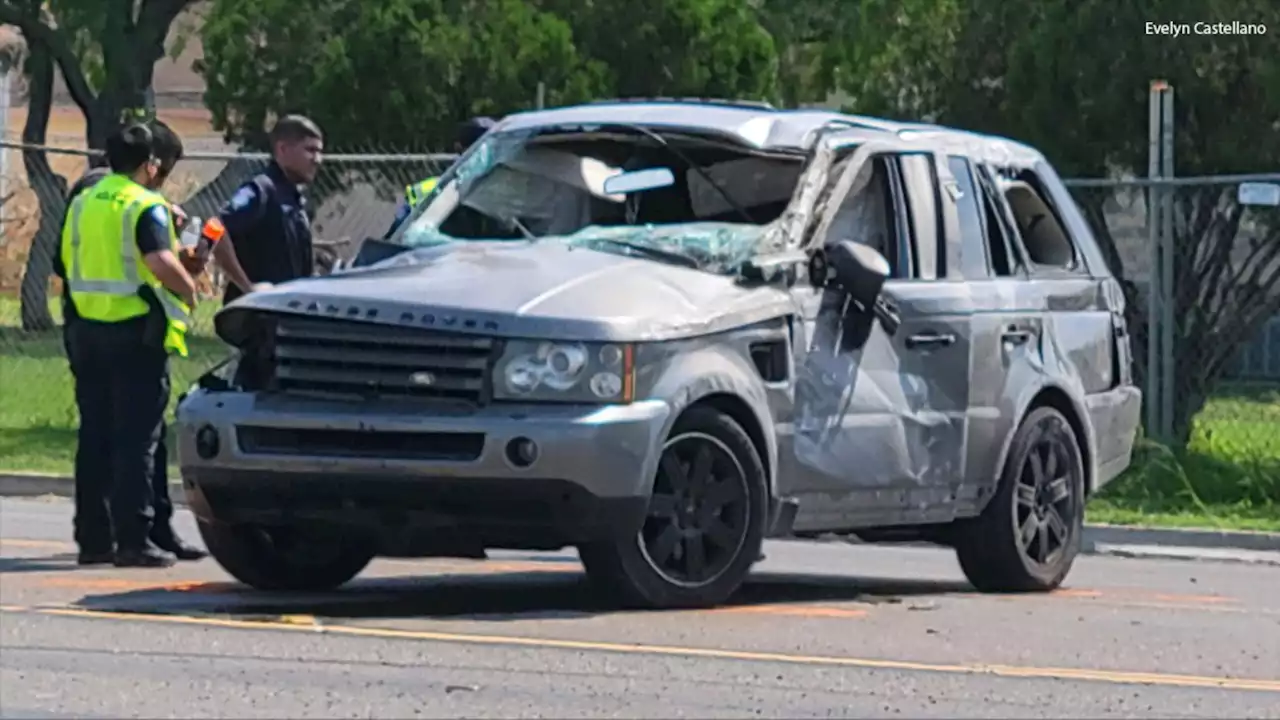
(929, 340)
(1016, 335)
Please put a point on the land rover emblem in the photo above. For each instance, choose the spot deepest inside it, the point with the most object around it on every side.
(422, 377)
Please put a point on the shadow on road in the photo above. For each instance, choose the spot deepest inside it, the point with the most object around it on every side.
(53, 563)
(542, 594)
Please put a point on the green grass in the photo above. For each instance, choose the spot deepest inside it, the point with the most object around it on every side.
(38, 417)
(1228, 477)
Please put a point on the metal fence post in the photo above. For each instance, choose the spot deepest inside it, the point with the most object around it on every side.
(1154, 293)
(1168, 369)
(5, 63)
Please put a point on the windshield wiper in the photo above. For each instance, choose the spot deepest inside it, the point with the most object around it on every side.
(694, 166)
(656, 253)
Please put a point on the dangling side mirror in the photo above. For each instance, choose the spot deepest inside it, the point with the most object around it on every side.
(861, 272)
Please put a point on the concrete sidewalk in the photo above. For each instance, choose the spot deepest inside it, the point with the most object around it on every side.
(1114, 540)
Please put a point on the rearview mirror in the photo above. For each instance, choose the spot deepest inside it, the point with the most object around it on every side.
(639, 181)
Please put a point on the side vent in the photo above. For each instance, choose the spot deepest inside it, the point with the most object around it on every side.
(770, 359)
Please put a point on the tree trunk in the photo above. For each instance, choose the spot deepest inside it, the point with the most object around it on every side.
(1225, 291)
(50, 189)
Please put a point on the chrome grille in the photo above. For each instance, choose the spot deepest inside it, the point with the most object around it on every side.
(338, 357)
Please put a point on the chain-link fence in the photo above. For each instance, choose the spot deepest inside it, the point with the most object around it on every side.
(1211, 377)
(1221, 358)
(353, 197)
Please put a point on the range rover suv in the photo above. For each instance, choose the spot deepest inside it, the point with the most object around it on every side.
(662, 332)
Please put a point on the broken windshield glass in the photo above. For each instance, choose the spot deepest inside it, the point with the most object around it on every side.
(548, 183)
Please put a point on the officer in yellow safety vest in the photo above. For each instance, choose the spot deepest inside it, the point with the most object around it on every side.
(469, 133)
(133, 300)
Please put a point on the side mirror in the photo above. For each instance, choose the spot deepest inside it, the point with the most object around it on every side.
(857, 269)
(861, 272)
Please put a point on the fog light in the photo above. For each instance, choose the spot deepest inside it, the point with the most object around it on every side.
(207, 442)
(522, 452)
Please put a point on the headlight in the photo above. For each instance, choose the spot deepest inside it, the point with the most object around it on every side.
(565, 372)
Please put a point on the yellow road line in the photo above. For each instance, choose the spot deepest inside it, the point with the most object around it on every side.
(1009, 671)
(124, 585)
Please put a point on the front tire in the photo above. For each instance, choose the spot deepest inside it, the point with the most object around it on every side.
(1028, 536)
(705, 523)
(288, 558)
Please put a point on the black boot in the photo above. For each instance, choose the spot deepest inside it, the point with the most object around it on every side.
(144, 557)
(171, 543)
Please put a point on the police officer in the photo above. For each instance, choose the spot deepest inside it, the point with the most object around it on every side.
(92, 521)
(469, 133)
(132, 301)
(266, 219)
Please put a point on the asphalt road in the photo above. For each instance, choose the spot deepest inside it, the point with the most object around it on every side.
(822, 630)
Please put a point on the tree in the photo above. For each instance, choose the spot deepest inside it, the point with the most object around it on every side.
(674, 48)
(397, 74)
(1071, 78)
(106, 51)
(801, 30)
(391, 76)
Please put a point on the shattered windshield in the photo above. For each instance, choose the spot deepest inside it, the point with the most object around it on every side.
(672, 197)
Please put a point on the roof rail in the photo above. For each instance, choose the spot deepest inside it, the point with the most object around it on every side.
(745, 104)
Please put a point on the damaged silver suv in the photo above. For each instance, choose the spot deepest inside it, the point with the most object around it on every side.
(662, 332)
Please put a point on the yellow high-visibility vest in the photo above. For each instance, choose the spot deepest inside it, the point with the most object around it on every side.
(103, 268)
(417, 192)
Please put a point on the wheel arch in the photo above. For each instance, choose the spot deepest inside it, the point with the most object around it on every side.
(1054, 396)
(743, 414)
(723, 381)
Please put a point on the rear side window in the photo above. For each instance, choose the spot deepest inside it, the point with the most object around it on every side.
(973, 246)
(920, 178)
(1047, 242)
(999, 244)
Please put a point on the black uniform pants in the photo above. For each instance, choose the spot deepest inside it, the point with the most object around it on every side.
(122, 389)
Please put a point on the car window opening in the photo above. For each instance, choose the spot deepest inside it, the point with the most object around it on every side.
(552, 185)
(866, 214)
(1043, 236)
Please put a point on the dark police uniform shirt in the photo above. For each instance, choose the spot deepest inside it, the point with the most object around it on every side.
(152, 235)
(267, 223)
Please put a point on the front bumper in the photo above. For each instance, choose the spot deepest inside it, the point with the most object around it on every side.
(394, 470)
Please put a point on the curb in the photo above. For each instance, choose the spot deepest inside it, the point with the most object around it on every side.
(1116, 540)
(1119, 535)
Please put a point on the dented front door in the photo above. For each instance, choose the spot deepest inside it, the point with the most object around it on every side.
(879, 424)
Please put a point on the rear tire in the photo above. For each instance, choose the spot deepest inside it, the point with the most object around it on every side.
(289, 559)
(1028, 536)
(705, 523)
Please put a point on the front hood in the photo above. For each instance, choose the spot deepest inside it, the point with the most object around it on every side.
(545, 289)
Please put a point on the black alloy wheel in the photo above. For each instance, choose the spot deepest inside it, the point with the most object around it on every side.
(1027, 537)
(704, 522)
(698, 514)
(1044, 503)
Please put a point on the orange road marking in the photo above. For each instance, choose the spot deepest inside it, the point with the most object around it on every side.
(810, 611)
